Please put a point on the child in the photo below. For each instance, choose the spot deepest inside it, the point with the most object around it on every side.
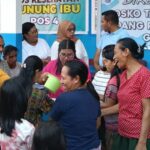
(48, 135)
(10, 64)
(110, 96)
(15, 132)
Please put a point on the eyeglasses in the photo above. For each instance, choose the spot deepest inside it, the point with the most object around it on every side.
(71, 55)
(71, 29)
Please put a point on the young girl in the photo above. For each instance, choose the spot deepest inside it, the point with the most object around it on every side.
(15, 132)
(110, 96)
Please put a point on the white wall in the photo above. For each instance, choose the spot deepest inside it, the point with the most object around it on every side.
(10, 16)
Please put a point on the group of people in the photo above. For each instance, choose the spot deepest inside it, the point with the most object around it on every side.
(110, 112)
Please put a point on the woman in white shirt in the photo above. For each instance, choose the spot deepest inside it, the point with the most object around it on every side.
(32, 45)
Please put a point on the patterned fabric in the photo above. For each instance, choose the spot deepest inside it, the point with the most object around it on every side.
(21, 138)
(100, 81)
(130, 95)
(38, 104)
(111, 121)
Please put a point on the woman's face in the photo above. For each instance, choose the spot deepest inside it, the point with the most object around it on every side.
(120, 56)
(109, 64)
(68, 83)
(66, 55)
(70, 31)
(32, 35)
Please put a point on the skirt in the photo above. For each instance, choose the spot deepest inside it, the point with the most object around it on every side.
(123, 143)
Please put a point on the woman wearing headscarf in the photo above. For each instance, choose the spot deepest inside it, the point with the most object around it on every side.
(66, 30)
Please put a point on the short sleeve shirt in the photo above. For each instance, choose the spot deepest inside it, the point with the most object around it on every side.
(110, 38)
(130, 95)
(41, 49)
(77, 112)
(111, 121)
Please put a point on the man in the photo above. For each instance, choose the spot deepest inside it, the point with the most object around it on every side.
(110, 24)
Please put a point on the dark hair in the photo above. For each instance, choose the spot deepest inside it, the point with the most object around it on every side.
(8, 49)
(13, 105)
(111, 16)
(26, 27)
(136, 50)
(48, 135)
(28, 71)
(65, 44)
(76, 67)
(30, 65)
(108, 53)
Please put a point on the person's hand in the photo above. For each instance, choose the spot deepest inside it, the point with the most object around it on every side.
(43, 77)
(141, 146)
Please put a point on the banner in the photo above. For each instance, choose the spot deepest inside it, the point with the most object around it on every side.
(46, 14)
(134, 16)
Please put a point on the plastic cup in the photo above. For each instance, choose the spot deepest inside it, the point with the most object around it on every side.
(52, 83)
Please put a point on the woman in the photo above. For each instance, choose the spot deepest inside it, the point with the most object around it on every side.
(78, 108)
(66, 30)
(133, 98)
(48, 135)
(30, 72)
(66, 52)
(29, 76)
(32, 45)
(15, 132)
(10, 64)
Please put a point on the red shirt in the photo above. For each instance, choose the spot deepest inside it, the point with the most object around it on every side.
(130, 95)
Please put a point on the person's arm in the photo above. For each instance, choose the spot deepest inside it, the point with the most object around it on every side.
(108, 103)
(145, 128)
(81, 52)
(110, 110)
(96, 60)
(46, 60)
(54, 50)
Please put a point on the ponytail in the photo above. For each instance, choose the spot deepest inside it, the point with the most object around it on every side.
(92, 90)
